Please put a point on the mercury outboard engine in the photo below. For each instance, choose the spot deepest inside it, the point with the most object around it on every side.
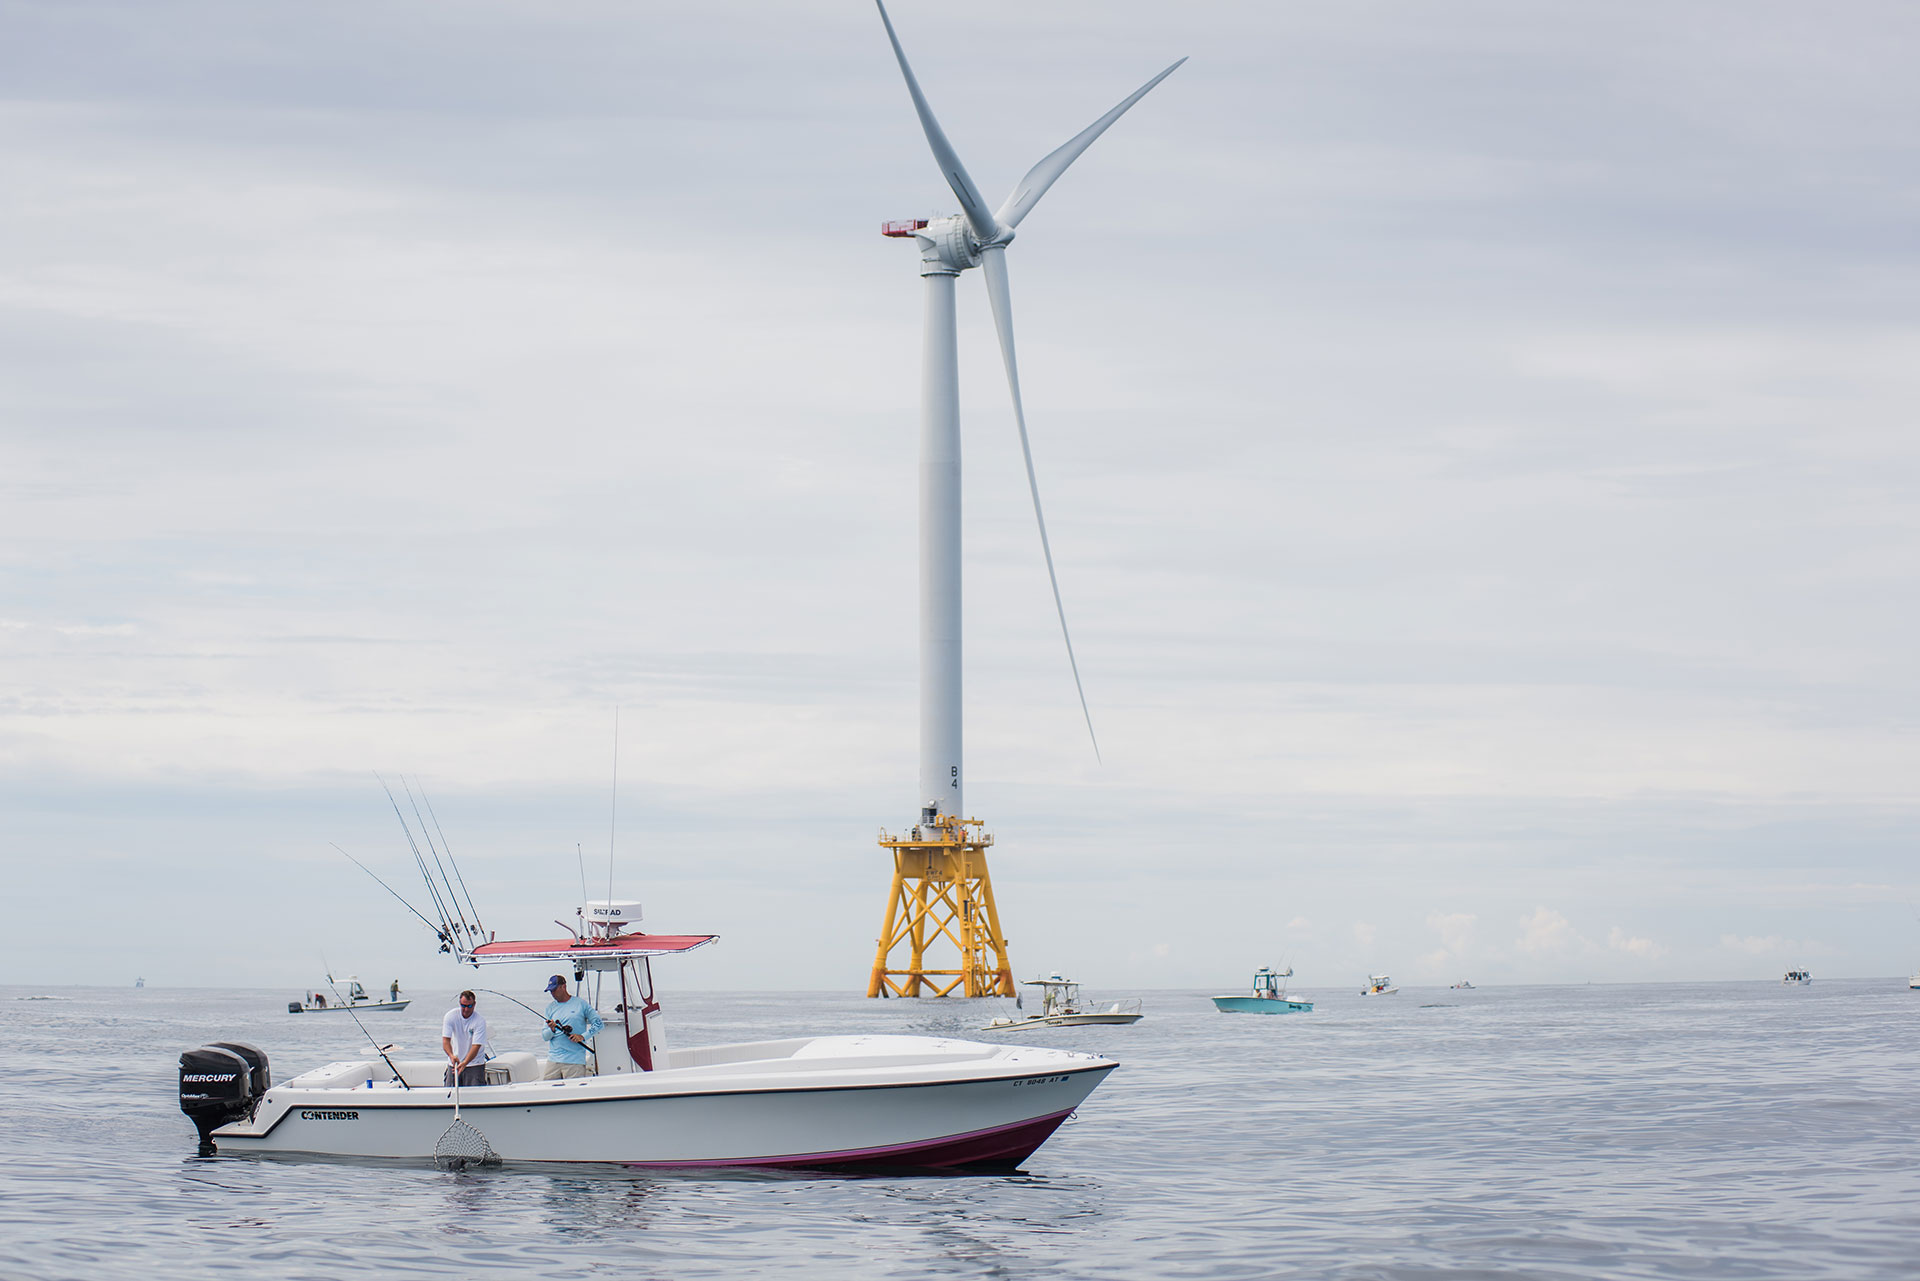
(221, 1083)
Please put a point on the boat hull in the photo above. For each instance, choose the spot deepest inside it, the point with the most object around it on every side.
(1261, 1005)
(989, 1109)
(1062, 1020)
(358, 1007)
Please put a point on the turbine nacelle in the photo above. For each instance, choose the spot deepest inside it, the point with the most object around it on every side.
(949, 247)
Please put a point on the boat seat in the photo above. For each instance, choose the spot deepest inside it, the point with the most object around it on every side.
(422, 1073)
(512, 1067)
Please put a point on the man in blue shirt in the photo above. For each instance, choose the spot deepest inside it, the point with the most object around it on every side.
(570, 1021)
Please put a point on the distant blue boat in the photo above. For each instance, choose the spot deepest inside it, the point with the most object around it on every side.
(1268, 997)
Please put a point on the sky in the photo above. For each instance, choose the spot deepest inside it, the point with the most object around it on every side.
(1478, 446)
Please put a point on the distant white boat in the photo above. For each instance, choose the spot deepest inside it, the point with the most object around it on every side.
(1060, 1006)
(1913, 984)
(139, 982)
(1378, 985)
(1798, 977)
(1463, 986)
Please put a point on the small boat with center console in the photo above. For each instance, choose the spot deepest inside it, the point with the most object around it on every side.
(1378, 985)
(811, 1101)
(355, 998)
(1797, 978)
(1269, 996)
(1061, 1006)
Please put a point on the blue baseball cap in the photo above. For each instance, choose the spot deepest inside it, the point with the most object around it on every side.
(558, 980)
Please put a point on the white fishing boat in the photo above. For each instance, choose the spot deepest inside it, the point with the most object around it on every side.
(1913, 984)
(355, 998)
(817, 1101)
(1798, 978)
(1461, 986)
(1061, 1006)
(1378, 985)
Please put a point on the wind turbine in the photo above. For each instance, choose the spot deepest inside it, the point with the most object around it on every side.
(940, 883)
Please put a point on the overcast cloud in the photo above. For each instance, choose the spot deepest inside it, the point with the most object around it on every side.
(1478, 443)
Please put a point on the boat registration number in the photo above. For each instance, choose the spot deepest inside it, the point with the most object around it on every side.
(1040, 1080)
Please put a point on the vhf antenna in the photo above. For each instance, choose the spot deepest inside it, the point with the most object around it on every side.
(613, 806)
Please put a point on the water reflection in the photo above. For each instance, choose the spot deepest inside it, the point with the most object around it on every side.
(614, 1202)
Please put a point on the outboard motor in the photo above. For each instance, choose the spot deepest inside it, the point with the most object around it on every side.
(220, 1084)
(260, 1076)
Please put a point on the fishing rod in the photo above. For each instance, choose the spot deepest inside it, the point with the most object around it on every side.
(446, 920)
(378, 1048)
(389, 889)
(564, 1027)
(449, 849)
(516, 1000)
(420, 864)
(459, 913)
(452, 898)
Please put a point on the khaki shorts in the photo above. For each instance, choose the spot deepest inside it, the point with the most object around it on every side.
(564, 1071)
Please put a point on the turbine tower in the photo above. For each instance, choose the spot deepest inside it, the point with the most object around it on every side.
(941, 891)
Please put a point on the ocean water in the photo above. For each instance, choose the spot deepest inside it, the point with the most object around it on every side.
(1686, 1131)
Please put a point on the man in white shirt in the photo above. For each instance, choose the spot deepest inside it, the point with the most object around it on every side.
(463, 1038)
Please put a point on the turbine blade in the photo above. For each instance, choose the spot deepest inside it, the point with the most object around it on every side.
(1043, 175)
(993, 263)
(971, 203)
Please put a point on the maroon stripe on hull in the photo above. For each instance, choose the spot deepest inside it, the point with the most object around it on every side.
(1005, 1145)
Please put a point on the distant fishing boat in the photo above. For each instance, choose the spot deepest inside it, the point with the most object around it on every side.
(357, 1000)
(1463, 986)
(1060, 1006)
(139, 982)
(1798, 977)
(1269, 996)
(1913, 984)
(1378, 985)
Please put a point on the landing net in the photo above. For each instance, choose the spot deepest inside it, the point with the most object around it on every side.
(463, 1146)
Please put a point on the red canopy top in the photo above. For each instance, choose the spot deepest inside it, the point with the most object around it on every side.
(567, 949)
